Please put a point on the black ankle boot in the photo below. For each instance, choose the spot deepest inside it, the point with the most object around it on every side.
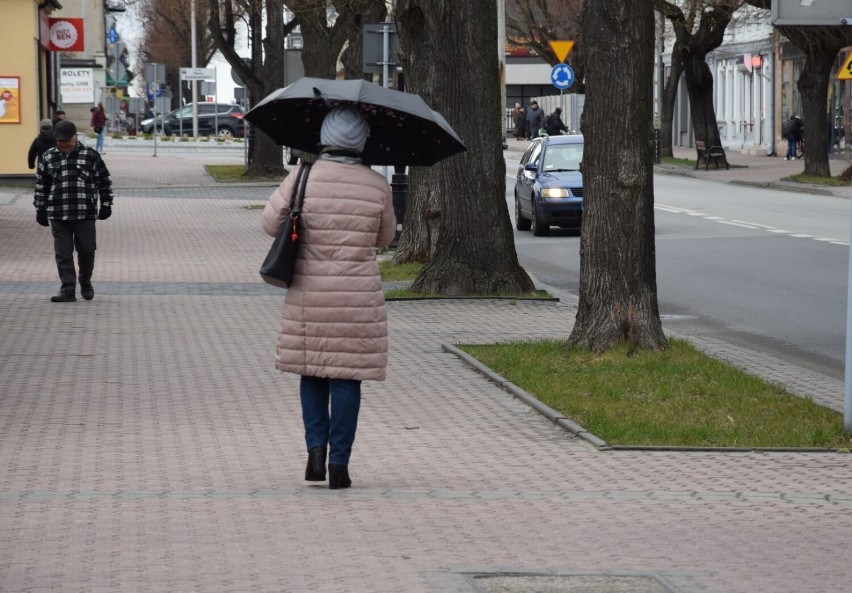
(315, 471)
(338, 476)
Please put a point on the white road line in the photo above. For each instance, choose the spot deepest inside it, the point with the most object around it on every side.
(760, 226)
(731, 223)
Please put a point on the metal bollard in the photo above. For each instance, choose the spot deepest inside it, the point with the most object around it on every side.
(399, 188)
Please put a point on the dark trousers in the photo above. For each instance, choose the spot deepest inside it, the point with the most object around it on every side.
(68, 235)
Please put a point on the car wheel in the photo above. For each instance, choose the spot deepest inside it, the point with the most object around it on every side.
(521, 223)
(538, 229)
(225, 133)
(289, 156)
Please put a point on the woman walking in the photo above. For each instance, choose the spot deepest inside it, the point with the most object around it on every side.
(333, 330)
(97, 123)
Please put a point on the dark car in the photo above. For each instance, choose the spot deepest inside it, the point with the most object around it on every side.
(292, 155)
(549, 185)
(222, 119)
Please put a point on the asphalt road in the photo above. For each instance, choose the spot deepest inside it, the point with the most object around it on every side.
(760, 268)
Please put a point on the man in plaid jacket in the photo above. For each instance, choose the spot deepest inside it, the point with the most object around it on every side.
(70, 179)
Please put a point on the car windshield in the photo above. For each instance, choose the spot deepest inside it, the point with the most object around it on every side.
(563, 157)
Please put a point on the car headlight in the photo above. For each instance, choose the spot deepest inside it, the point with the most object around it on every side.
(554, 193)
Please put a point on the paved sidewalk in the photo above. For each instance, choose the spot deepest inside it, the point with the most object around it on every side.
(148, 444)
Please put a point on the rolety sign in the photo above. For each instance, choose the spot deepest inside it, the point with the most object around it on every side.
(66, 34)
(78, 85)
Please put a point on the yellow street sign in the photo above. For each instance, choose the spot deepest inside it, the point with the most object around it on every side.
(561, 49)
(845, 72)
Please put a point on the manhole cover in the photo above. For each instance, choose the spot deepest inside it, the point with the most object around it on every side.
(569, 584)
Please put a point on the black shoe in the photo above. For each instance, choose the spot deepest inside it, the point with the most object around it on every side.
(88, 292)
(315, 472)
(63, 297)
(338, 476)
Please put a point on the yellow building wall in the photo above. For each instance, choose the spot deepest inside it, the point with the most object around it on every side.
(19, 25)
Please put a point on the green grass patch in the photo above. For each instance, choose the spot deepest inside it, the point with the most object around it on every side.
(234, 173)
(392, 272)
(669, 160)
(828, 181)
(680, 397)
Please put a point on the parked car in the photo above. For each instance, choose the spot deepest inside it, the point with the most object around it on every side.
(292, 155)
(549, 185)
(223, 119)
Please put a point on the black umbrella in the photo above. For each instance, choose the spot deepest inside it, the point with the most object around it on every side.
(404, 130)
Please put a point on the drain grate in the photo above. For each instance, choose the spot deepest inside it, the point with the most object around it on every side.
(569, 584)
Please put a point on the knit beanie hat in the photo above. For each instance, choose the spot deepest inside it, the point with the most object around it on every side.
(345, 127)
(46, 124)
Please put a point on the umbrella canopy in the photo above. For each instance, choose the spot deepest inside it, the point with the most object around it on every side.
(404, 130)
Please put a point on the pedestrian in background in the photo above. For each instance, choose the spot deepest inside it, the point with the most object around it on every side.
(535, 117)
(519, 120)
(334, 330)
(70, 180)
(58, 117)
(792, 132)
(41, 144)
(97, 123)
(554, 126)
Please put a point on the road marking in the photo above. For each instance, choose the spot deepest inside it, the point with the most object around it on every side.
(746, 224)
(732, 223)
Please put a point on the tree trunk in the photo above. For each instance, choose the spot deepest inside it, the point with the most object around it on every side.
(364, 11)
(321, 43)
(618, 285)
(699, 85)
(667, 102)
(261, 76)
(457, 211)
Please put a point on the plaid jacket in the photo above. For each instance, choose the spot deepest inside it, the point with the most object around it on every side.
(68, 186)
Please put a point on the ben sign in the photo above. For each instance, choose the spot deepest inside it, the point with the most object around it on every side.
(66, 34)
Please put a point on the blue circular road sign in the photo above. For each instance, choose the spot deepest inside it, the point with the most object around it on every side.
(112, 35)
(562, 76)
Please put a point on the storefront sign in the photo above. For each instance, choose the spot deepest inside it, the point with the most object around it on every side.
(78, 85)
(66, 34)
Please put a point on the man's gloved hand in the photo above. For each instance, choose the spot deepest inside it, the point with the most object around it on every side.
(41, 217)
(105, 212)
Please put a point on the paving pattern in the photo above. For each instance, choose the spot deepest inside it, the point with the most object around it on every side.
(148, 444)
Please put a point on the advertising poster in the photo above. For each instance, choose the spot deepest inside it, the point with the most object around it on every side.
(10, 99)
(78, 85)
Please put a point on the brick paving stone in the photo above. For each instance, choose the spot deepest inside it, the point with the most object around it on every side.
(148, 444)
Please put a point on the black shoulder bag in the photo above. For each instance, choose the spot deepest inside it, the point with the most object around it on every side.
(277, 268)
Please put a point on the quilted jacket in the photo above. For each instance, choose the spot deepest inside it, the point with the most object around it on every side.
(334, 321)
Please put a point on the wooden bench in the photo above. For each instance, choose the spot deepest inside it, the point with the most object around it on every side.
(713, 152)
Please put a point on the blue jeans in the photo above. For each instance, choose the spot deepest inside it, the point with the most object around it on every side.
(99, 145)
(791, 146)
(335, 428)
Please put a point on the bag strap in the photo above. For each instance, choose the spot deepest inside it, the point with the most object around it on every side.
(298, 195)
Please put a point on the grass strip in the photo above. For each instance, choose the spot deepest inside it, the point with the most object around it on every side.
(680, 398)
(235, 173)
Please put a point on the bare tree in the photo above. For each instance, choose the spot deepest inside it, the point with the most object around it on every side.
(698, 32)
(265, 71)
(618, 279)
(166, 35)
(457, 220)
(534, 23)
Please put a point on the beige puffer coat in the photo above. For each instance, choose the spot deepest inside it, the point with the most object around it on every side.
(334, 322)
